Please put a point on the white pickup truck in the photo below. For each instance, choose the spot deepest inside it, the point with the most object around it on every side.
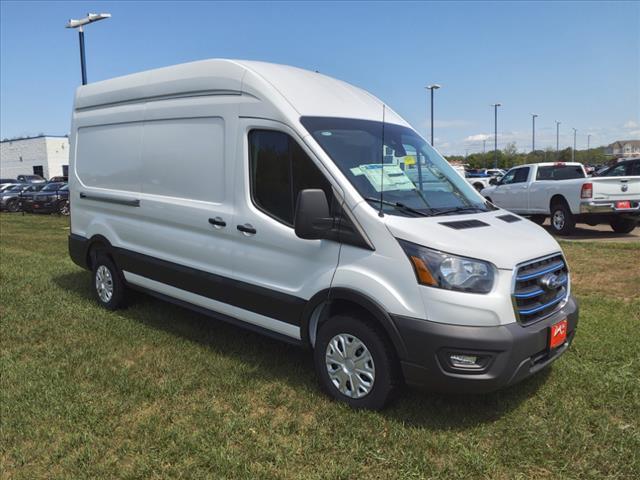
(563, 192)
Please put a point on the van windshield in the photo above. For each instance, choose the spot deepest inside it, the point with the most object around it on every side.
(403, 170)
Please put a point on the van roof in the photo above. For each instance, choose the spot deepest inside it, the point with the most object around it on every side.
(308, 93)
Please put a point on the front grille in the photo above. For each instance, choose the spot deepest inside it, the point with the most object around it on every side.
(540, 287)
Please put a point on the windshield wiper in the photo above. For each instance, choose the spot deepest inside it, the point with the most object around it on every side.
(457, 209)
(399, 206)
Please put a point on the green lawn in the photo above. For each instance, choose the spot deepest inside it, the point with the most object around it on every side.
(155, 391)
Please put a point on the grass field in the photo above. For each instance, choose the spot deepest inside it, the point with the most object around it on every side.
(155, 391)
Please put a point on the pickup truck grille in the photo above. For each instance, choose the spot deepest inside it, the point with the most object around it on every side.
(540, 287)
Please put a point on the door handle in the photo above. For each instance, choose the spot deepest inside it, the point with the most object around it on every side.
(247, 229)
(217, 222)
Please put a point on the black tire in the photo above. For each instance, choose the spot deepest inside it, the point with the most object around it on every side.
(538, 219)
(478, 186)
(623, 225)
(562, 220)
(63, 208)
(385, 364)
(118, 289)
(13, 206)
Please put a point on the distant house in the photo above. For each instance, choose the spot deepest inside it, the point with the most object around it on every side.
(46, 155)
(623, 148)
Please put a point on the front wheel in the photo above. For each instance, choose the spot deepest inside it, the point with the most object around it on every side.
(63, 208)
(562, 220)
(13, 206)
(355, 363)
(623, 225)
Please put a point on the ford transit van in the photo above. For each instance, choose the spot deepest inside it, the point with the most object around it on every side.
(302, 207)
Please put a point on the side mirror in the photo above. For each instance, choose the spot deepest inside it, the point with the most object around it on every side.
(493, 181)
(312, 220)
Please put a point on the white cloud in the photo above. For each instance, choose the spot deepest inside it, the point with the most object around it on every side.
(478, 137)
(631, 124)
(635, 133)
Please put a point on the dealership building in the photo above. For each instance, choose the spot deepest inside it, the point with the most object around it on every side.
(45, 155)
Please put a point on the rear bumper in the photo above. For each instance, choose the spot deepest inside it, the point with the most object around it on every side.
(514, 352)
(607, 206)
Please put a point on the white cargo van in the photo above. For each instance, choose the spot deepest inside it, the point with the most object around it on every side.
(300, 206)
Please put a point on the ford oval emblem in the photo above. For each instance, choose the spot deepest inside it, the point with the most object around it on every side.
(551, 281)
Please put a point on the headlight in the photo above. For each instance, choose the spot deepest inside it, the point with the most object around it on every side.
(451, 272)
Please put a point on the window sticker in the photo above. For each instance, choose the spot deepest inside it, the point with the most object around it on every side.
(394, 177)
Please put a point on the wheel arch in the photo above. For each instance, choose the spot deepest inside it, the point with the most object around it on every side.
(332, 301)
(557, 199)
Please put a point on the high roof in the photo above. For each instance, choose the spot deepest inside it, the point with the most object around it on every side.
(308, 93)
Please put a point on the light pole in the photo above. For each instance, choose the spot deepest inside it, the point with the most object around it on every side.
(79, 25)
(495, 134)
(557, 139)
(533, 133)
(588, 146)
(432, 87)
(573, 153)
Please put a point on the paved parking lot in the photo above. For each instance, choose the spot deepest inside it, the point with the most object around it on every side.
(586, 232)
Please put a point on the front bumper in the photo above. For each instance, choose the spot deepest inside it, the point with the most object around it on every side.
(515, 352)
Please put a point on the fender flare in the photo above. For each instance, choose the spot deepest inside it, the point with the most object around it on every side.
(326, 297)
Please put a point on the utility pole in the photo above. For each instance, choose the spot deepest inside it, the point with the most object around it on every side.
(432, 87)
(573, 153)
(79, 25)
(557, 139)
(533, 134)
(589, 146)
(495, 134)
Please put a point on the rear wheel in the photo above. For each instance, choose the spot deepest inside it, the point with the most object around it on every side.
(478, 186)
(538, 219)
(355, 363)
(623, 225)
(562, 220)
(108, 287)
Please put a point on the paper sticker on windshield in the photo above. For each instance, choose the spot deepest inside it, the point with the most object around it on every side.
(385, 177)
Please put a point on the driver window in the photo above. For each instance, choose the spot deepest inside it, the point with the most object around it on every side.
(509, 177)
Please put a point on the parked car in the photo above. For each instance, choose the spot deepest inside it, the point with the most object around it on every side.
(26, 195)
(625, 168)
(267, 201)
(11, 196)
(563, 192)
(62, 178)
(53, 198)
(7, 181)
(4, 186)
(45, 199)
(478, 178)
(35, 179)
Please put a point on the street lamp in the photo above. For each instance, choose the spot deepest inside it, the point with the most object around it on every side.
(573, 153)
(589, 146)
(495, 134)
(533, 134)
(79, 25)
(433, 87)
(557, 138)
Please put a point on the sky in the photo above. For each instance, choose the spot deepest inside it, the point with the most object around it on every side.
(575, 62)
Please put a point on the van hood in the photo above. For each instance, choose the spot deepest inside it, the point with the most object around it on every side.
(485, 236)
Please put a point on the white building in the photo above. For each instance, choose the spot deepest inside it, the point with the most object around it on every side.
(47, 156)
(624, 148)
